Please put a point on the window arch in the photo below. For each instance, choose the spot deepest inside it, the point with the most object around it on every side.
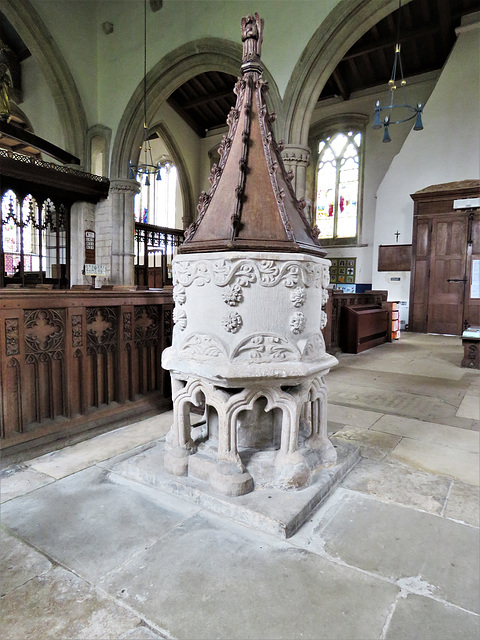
(156, 202)
(338, 181)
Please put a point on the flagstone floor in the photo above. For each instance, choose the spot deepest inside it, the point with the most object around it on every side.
(393, 554)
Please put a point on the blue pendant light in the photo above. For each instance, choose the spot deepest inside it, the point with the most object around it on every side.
(403, 111)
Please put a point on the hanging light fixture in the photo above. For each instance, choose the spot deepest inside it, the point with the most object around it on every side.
(397, 113)
(145, 168)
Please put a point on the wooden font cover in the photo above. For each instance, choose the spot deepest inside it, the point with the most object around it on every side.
(251, 205)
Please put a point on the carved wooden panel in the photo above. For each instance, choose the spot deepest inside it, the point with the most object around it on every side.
(147, 341)
(72, 360)
(102, 348)
(394, 257)
(44, 335)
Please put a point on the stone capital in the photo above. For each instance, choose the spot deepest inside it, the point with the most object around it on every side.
(122, 186)
(296, 154)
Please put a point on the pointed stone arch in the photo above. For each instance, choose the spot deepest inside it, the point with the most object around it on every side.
(49, 58)
(180, 65)
(338, 32)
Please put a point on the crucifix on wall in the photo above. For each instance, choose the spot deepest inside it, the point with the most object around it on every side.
(396, 234)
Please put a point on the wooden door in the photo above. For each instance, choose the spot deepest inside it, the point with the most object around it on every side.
(448, 262)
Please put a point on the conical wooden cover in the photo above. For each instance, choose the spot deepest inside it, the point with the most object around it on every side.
(251, 205)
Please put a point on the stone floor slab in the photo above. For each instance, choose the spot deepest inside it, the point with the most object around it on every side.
(434, 458)
(429, 432)
(352, 416)
(207, 579)
(20, 479)
(396, 483)
(19, 563)
(268, 509)
(140, 633)
(433, 409)
(373, 444)
(400, 543)
(60, 464)
(418, 617)
(92, 524)
(60, 605)
(463, 503)
(470, 407)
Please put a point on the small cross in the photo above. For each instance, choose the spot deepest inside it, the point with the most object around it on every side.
(396, 235)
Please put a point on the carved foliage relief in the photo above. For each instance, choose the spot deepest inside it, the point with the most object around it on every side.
(77, 338)
(268, 273)
(11, 337)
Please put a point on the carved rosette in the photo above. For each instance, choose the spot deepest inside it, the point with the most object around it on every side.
(233, 322)
(298, 296)
(233, 295)
(297, 322)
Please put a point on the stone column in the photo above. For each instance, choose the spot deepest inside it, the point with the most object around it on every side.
(115, 227)
(82, 217)
(297, 158)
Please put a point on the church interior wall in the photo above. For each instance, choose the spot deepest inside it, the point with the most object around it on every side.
(71, 28)
(39, 104)
(378, 157)
(446, 150)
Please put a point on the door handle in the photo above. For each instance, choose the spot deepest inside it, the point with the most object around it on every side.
(456, 279)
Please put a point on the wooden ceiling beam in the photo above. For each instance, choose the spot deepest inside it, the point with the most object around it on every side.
(389, 41)
(187, 118)
(201, 100)
(341, 84)
(444, 16)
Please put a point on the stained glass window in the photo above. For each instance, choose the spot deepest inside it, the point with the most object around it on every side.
(338, 185)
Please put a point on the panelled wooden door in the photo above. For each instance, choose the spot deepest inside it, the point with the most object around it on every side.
(448, 263)
(444, 247)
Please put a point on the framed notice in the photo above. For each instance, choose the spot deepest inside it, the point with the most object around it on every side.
(475, 287)
(342, 270)
(89, 246)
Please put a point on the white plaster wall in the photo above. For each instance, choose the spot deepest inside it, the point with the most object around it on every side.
(74, 27)
(378, 157)
(448, 149)
(121, 53)
(39, 106)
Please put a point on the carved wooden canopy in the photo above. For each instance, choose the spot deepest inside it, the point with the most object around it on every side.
(251, 205)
